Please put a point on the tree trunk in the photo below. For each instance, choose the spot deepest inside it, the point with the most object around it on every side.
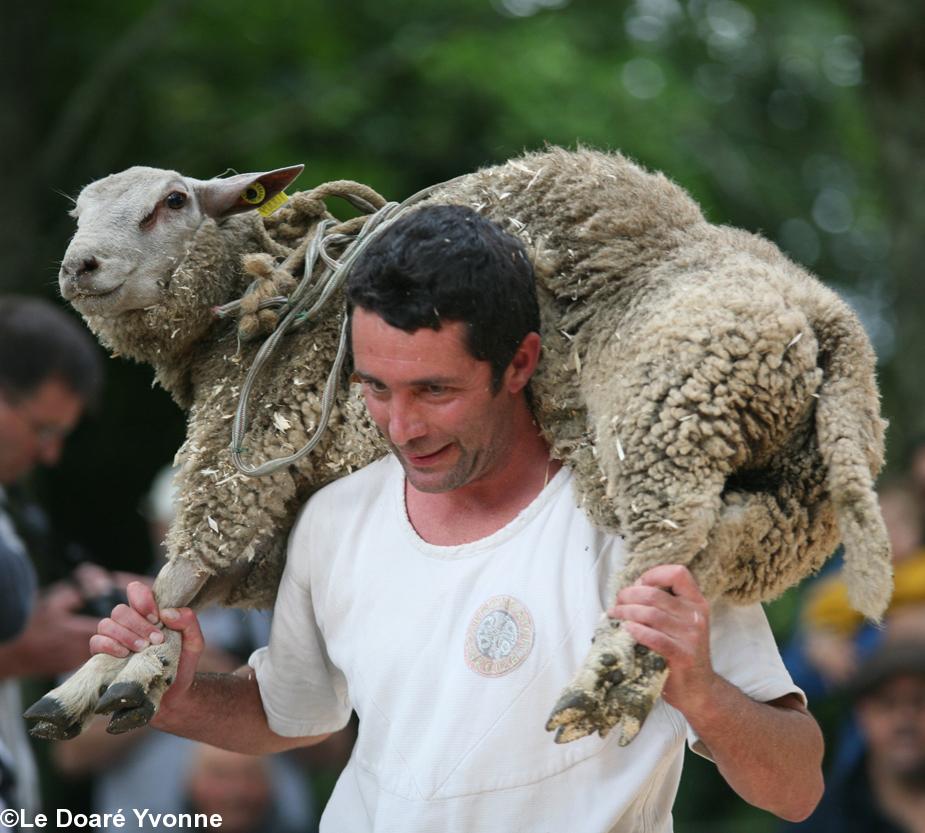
(893, 36)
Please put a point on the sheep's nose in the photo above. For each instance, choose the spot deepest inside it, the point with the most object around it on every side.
(89, 264)
(76, 269)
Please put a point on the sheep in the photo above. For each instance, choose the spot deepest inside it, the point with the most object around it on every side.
(717, 404)
(153, 256)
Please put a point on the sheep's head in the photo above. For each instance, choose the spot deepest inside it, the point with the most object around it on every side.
(134, 229)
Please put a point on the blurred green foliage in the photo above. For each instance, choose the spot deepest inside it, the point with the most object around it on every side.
(756, 107)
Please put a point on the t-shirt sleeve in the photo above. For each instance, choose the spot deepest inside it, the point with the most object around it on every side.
(303, 693)
(744, 652)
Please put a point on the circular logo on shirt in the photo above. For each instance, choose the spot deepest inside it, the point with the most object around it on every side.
(499, 637)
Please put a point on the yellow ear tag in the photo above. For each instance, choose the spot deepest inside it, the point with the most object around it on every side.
(270, 206)
(254, 195)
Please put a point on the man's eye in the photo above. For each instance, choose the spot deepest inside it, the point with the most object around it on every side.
(436, 390)
(375, 387)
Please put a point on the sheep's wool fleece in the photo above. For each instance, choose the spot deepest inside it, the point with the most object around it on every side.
(716, 403)
(699, 383)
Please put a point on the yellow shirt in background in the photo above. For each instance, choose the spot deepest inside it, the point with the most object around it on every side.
(828, 608)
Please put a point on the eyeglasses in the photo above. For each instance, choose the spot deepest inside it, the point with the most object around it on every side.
(45, 432)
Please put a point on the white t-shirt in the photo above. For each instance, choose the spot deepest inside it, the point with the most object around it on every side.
(453, 658)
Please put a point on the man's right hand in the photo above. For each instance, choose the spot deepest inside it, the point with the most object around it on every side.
(134, 626)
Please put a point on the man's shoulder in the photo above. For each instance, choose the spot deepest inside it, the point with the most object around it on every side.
(354, 491)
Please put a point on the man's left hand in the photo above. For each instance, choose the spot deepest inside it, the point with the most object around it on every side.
(665, 611)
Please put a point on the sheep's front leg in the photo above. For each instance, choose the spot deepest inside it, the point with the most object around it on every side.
(133, 696)
(135, 693)
(131, 687)
(64, 712)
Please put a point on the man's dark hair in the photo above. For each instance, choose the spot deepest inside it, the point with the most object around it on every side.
(446, 263)
(39, 342)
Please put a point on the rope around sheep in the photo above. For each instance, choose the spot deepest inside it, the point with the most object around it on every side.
(315, 294)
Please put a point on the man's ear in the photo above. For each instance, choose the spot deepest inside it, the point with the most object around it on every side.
(523, 364)
(220, 197)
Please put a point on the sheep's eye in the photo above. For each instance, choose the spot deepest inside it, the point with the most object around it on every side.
(176, 199)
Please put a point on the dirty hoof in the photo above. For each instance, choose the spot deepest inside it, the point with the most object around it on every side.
(46, 730)
(575, 715)
(122, 696)
(124, 720)
(614, 689)
(50, 721)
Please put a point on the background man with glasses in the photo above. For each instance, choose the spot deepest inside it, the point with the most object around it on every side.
(50, 371)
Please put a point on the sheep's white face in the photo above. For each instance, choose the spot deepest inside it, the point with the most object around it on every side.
(134, 229)
(132, 232)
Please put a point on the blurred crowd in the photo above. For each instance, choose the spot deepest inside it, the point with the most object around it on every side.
(50, 374)
(876, 674)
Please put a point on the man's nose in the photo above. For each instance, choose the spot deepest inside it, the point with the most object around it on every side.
(405, 422)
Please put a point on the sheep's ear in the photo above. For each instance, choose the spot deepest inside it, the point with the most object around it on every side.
(243, 192)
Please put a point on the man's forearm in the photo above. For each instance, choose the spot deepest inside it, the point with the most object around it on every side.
(771, 755)
(225, 710)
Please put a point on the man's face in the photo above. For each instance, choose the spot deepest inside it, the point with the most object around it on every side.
(33, 428)
(432, 401)
(892, 718)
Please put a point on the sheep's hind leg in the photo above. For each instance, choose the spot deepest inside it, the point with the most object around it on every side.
(615, 688)
(65, 711)
(665, 444)
(620, 680)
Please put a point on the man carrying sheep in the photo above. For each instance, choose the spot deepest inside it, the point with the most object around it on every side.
(445, 591)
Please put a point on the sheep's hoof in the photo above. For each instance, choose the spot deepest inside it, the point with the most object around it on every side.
(129, 705)
(574, 716)
(46, 730)
(50, 721)
(119, 696)
(615, 689)
(124, 720)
